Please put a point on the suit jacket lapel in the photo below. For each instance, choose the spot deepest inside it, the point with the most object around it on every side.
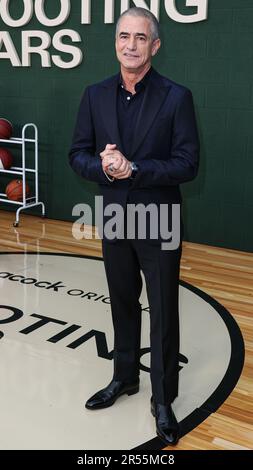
(108, 109)
(155, 94)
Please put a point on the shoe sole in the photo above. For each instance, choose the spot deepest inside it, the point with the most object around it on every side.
(107, 405)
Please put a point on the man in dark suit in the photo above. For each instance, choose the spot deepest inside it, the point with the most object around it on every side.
(136, 136)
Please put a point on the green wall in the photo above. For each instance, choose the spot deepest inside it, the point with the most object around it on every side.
(213, 58)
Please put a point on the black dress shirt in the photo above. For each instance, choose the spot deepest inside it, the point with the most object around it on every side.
(128, 108)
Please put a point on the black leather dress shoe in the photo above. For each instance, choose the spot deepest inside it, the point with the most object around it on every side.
(107, 396)
(167, 427)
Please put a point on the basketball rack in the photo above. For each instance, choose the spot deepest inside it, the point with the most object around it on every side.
(22, 171)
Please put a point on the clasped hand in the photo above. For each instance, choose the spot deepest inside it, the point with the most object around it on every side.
(121, 166)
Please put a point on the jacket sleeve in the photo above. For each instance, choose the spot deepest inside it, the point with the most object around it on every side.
(82, 155)
(182, 163)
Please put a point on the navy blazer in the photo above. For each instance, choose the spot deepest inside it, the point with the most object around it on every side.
(165, 144)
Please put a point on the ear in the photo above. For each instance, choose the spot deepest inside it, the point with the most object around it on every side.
(155, 46)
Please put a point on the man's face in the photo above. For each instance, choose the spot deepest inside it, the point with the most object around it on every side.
(134, 45)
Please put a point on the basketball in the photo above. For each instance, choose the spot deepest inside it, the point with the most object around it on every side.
(14, 190)
(5, 129)
(6, 159)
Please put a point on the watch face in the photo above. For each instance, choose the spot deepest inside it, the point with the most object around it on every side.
(134, 167)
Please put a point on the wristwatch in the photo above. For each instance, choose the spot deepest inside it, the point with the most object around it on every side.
(134, 169)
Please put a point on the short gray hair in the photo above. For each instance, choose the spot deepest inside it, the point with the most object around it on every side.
(144, 13)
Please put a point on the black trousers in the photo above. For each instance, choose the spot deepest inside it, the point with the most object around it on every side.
(123, 261)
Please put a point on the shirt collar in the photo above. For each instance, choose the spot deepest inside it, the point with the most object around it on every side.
(142, 83)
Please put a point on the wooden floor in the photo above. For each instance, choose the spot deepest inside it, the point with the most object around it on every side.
(226, 275)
